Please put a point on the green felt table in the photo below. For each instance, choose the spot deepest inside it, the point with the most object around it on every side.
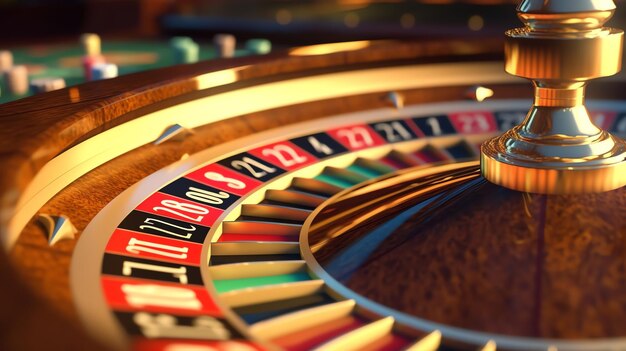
(65, 60)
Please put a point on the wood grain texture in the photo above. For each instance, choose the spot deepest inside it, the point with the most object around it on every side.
(86, 196)
(491, 260)
(44, 270)
(37, 128)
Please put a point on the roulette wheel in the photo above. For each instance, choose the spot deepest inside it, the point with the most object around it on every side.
(329, 197)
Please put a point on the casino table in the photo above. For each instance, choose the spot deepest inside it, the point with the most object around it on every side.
(229, 205)
(64, 60)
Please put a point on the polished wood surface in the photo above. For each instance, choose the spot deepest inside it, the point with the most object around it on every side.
(35, 293)
(37, 128)
(86, 196)
(44, 270)
(486, 258)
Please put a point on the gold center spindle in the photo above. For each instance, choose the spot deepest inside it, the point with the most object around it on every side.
(558, 149)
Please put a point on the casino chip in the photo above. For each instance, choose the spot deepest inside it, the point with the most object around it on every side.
(104, 71)
(225, 45)
(259, 46)
(16, 80)
(6, 60)
(185, 50)
(43, 85)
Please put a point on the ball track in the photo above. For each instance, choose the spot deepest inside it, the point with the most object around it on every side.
(277, 218)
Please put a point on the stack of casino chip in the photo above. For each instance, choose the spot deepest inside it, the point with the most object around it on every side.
(225, 45)
(91, 44)
(14, 78)
(6, 60)
(16, 81)
(184, 50)
(44, 85)
(103, 71)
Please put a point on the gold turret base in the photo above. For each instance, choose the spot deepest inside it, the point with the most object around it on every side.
(585, 176)
(558, 149)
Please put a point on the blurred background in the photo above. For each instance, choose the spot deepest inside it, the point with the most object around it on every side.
(293, 22)
(135, 35)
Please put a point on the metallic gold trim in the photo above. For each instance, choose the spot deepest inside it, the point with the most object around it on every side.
(569, 180)
(567, 59)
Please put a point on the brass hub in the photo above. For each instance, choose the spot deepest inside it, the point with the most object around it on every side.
(558, 149)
